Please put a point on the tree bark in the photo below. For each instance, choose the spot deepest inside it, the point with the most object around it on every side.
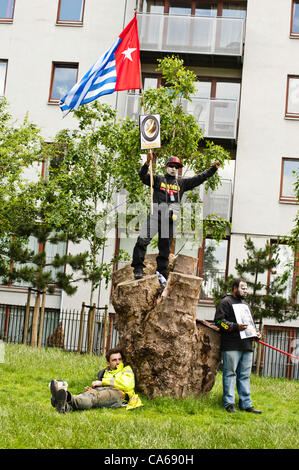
(171, 353)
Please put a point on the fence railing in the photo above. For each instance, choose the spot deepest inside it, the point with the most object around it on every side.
(274, 363)
(90, 331)
(93, 331)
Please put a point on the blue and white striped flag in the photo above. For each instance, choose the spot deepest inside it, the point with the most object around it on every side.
(99, 80)
(115, 70)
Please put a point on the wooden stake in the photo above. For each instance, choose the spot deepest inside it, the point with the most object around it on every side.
(34, 326)
(91, 322)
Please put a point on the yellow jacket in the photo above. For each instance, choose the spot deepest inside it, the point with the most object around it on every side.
(123, 379)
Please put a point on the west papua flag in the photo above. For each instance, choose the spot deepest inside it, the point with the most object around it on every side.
(116, 70)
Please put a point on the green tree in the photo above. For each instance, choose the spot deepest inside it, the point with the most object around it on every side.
(87, 175)
(20, 148)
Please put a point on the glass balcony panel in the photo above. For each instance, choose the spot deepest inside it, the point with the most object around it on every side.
(223, 118)
(133, 106)
(217, 118)
(218, 202)
(229, 36)
(194, 34)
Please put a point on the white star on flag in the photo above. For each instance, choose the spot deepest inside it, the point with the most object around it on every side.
(128, 53)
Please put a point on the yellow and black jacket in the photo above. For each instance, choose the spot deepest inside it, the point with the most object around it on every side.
(123, 379)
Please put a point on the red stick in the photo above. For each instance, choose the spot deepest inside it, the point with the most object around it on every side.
(279, 350)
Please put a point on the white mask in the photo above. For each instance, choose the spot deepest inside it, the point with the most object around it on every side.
(171, 171)
(242, 290)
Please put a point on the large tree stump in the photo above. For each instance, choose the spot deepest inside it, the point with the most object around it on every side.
(170, 352)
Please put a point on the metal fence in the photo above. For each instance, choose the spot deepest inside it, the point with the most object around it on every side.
(274, 363)
(91, 330)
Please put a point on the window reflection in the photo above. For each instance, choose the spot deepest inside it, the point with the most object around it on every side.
(233, 10)
(295, 24)
(70, 10)
(6, 9)
(286, 262)
(227, 90)
(289, 178)
(180, 8)
(63, 80)
(153, 6)
(206, 9)
(214, 265)
(3, 67)
(293, 97)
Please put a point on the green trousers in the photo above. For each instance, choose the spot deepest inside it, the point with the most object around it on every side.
(99, 397)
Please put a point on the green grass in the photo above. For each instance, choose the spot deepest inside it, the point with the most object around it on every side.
(28, 421)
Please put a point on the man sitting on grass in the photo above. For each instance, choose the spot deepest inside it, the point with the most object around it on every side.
(114, 389)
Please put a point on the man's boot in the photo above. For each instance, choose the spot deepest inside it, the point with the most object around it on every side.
(59, 396)
(138, 272)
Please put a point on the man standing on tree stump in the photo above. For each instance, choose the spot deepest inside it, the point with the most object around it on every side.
(168, 191)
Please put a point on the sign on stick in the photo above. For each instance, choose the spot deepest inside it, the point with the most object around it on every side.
(149, 126)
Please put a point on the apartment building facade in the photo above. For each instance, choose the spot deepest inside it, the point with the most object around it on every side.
(247, 100)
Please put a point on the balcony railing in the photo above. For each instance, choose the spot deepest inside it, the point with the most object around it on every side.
(191, 34)
(217, 118)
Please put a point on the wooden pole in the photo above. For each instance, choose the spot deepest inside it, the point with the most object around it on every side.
(152, 181)
(259, 351)
(26, 319)
(41, 323)
(91, 322)
(33, 341)
(81, 328)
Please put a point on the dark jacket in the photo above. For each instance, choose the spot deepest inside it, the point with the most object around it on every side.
(164, 184)
(225, 320)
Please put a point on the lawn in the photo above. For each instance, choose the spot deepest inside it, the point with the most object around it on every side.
(28, 421)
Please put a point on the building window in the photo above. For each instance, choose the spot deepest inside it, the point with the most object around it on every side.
(295, 19)
(63, 78)
(59, 248)
(3, 70)
(289, 168)
(70, 11)
(292, 105)
(213, 259)
(287, 262)
(230, 9)
(6, 10)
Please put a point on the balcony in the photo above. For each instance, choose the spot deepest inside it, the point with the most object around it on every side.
(218, 202)
(191, 34)
(217, 118)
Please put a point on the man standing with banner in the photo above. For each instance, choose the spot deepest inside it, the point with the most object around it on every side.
(168, 191)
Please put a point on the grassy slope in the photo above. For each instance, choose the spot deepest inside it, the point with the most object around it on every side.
(27, 419)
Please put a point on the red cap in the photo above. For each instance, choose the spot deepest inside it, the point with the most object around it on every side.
(175, 160)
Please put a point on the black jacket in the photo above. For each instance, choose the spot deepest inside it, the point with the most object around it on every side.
(162, 184)
(225, 319)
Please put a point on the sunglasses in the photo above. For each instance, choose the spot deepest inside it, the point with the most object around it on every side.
(173, 165)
